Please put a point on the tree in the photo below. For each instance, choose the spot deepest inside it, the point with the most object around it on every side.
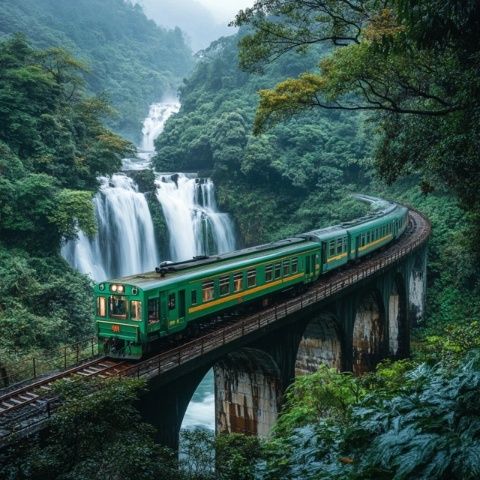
(96, 433)
(414, 65)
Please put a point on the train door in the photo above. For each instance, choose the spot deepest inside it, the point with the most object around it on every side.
(358, 240)
(323, 260)
(172, 309)
(181, 305)
(155, 319)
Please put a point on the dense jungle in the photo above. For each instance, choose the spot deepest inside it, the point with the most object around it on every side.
(306, 103)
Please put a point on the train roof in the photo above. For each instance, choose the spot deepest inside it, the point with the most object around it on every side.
(381, 208)
(206, 266)
(186, 271)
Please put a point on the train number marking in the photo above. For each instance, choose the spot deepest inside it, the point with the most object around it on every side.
(116, 328)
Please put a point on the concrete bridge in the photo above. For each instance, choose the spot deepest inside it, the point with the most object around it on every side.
(349, 320)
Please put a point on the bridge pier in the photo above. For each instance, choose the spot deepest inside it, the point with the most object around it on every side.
(320, 344)
(417, 287)
(368, 334)
(248, 390)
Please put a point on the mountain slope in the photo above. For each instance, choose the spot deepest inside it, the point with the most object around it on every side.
(131, 60)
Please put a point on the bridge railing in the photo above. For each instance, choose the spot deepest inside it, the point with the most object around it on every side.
(30, 367)
(325, 289)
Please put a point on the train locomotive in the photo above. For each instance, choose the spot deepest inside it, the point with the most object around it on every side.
(134, 312)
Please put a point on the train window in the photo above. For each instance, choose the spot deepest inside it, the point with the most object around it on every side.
(171, 301)
(268, 273)
(331, 250)
(135, 310)
(339, 245)
(153, 310)
(101, 307)
(278, 270)
(224, 285)
(368, 237)
(294, 265)
(251, 278)
(118, 307)
(207, 291)
(194, 297)
(286, 268)
(237, 282)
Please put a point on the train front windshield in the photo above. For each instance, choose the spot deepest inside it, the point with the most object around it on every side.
(118, 307)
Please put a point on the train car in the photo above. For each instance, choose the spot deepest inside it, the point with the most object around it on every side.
(135, 311)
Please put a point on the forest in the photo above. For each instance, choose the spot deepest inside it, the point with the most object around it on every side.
(128, 59)
(289, 116)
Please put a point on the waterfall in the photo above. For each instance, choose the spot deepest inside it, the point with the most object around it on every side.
(125, 242)
(155, 122)
(191, 214)
(153, 126)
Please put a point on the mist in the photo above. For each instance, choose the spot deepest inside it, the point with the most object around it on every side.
(203, 21)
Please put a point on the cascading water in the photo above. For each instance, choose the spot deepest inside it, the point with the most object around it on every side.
(125, 242)
(155, 122)
(153, 126)
(194, 223)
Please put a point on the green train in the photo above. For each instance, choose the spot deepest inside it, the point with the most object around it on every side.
(134, 312)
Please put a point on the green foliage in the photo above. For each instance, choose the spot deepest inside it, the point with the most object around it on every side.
(197, 453)
(51, 137)
(299, 172)
(92, 437)
(409, 422)
(43, 303)
(414, 65)
(132, 60)
(236, 456)
(325, 393)
(76, 204)
(53, 145)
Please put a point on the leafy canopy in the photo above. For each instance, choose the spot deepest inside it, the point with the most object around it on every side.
(413, 64)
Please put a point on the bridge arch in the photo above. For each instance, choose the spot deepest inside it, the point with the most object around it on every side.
(320, 344)
(248, 391)
(398, 338)
(368, 332)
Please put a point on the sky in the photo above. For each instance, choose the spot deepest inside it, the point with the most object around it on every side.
(203, 21)
(225, 10)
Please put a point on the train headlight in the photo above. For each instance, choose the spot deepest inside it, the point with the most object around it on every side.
(113, 288)
(120, 288)
(101, 286)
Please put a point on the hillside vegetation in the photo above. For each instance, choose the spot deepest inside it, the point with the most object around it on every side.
(53, 145)
(296, 177)
(130, 59)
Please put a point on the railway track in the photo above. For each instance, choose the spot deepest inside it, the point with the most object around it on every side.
(35, 392)
(25, 408)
